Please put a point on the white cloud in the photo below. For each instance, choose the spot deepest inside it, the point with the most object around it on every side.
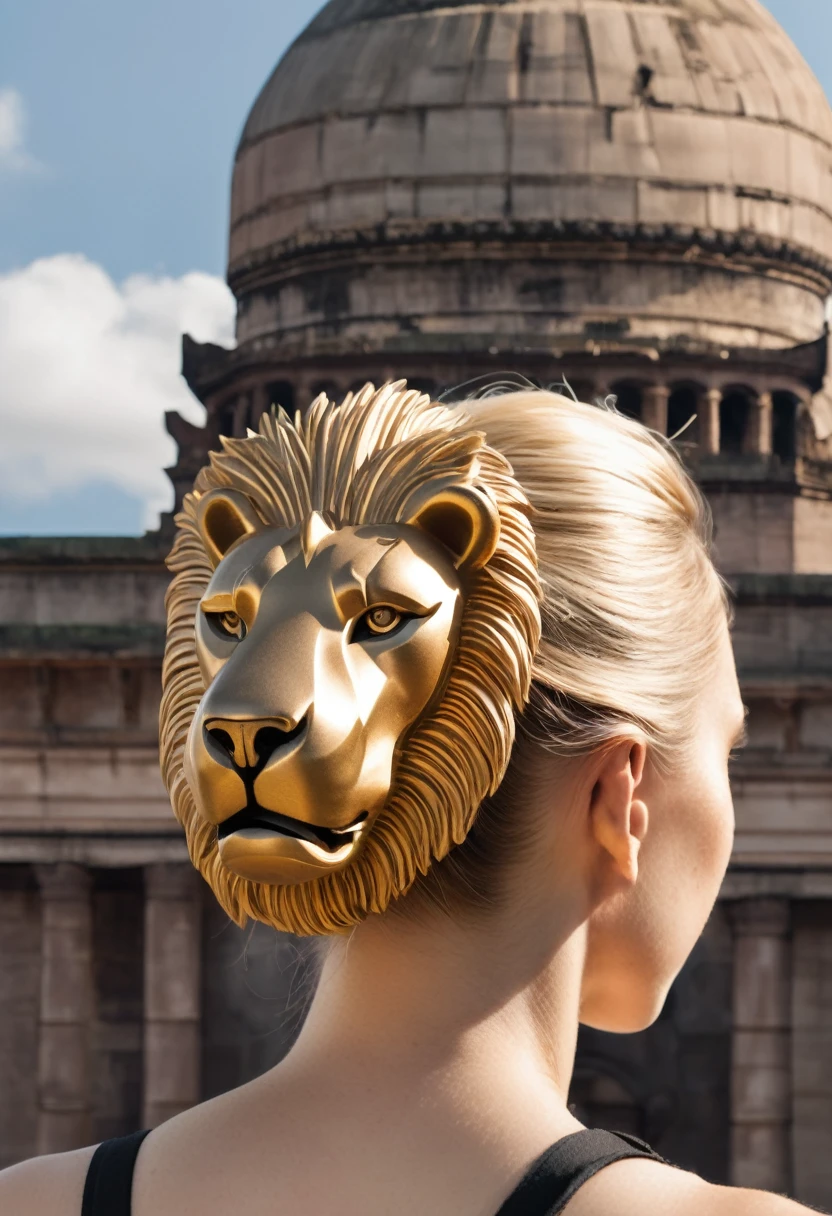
(88, 369)
(13, 154)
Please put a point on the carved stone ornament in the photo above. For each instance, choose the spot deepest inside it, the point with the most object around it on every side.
(351, 627)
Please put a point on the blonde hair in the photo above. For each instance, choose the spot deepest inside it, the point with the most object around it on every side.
(633, 607)
(633, 610)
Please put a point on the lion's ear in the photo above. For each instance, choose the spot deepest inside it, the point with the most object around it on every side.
(223, 517)
(462, 518)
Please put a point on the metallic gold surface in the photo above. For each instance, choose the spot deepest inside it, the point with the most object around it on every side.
(303, 713)
(351, 626)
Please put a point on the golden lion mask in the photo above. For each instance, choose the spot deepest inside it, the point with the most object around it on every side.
(351, 626)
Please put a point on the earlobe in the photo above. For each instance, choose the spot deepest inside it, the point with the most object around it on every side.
(629, 862)
(223, 517)
(462, 518)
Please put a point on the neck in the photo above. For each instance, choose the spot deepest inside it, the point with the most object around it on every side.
(487, 1007)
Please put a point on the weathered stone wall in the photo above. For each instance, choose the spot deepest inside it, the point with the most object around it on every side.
(117, 1026)
(766, 531)
(812, 1053)
(754, 532)
(524, 295)
(81, 633)
(80, 748)
(19, 1012)
(69, 595)
(812, 536)
(782, 785)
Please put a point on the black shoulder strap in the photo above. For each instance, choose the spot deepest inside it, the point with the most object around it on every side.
(109, 1183)
(559, 1172)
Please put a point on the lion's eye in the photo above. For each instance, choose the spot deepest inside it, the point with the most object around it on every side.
(379, 622)
(229, 624)
(382, 620)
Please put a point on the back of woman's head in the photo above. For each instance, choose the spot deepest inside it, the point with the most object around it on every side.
(633, 611)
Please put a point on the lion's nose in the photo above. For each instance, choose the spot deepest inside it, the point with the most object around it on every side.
(252, 743)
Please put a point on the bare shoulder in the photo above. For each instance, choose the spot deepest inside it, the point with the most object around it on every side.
(631, 1188)
(46, 1186)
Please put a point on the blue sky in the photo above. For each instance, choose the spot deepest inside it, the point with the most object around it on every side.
(120, 127)
(134, 111)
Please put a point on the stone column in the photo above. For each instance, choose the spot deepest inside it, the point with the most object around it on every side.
(303, 391)
(654, 408)
(709, 405)
(761, 1070)
(260, 402)
(66, 1001)
(242, 415)
(762, 423)
(172, 945)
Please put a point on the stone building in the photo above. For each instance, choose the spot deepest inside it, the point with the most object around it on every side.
(635, 197)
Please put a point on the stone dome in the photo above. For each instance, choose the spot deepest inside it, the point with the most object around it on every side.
(656, 152)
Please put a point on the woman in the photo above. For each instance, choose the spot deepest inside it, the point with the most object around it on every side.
(431, 1075)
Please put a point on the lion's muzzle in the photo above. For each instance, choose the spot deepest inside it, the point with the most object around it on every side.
(279, 805)
(250, 746)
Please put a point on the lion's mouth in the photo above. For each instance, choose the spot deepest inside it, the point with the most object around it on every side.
(258, 818)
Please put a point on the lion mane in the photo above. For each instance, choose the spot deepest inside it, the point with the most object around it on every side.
(358, 462)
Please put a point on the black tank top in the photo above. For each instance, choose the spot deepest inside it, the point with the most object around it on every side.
(547, 1187)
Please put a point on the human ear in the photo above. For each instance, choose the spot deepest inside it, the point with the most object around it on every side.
(462, 518)
(619, 819)
(223, 517)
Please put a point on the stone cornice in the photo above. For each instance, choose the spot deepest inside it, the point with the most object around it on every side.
(86, 551)
(751, 473)
(111, 849)
(63, 643)
(209, 368)
(781, 589)
(787, 881)
(560, 237)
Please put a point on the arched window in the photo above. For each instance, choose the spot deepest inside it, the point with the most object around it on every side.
(423, 386)
(784, 426)
(329, 387)
(682, 405)
(227, 419)
(584, 390)
(280, 392)
(601, 1100)
(629, 399)
(734, 419)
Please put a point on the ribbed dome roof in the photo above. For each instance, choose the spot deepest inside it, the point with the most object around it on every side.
(699, 112)
(725, 57)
